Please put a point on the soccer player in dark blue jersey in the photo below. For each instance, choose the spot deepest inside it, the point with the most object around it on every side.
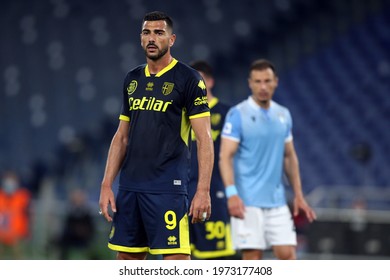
(212, 239)
(162, 100)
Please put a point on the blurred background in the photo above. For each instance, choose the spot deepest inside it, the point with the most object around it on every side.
(62, 65)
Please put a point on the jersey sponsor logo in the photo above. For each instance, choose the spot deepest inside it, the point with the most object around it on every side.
(148, 104)
(167, 88)
(172, 240)
(132, 87)
(200, 100)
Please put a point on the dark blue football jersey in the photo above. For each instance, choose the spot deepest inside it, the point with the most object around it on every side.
(159, 108)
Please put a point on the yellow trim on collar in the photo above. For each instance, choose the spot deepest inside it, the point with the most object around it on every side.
(163, 71)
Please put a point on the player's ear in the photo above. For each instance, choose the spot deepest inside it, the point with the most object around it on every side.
(172, 40)
(209, 83)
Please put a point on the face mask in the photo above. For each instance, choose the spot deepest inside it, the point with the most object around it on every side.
(9, 185)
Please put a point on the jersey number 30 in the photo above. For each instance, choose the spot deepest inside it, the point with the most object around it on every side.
(215, 230)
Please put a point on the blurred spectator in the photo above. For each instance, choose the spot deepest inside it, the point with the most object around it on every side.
(14, 216)
(357, 230)
(38, 171)
(79, 228)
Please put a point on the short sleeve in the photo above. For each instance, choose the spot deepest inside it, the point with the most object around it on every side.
(232, 125)
(124, 115)
(196, 96)
(289, 135)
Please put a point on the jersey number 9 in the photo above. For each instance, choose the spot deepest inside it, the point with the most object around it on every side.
(170, 219)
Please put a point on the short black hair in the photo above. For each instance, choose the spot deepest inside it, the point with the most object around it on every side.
(202, 66)
(157, 15)
(262, 64)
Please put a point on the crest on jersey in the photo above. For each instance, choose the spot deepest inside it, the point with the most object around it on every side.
(167, 88)
(282, 118)
(132, 87)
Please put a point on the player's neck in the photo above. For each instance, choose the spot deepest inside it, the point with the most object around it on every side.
(156, 66)
(210, 96)
(264, 104)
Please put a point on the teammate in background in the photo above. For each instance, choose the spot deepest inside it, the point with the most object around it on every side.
(256, 147)
(162, 100)
(212, 239)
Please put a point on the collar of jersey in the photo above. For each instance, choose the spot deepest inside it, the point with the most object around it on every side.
(166, 69)
(256, 106)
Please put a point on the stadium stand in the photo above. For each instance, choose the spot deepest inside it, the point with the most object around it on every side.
(64, 61)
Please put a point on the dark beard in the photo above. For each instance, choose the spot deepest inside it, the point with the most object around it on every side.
(158, 56)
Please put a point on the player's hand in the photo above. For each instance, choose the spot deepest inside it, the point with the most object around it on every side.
(236, 207)
(107, 199)
(300, 204)
(200, 208)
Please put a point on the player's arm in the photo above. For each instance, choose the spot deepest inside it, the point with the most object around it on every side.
(291, 168)
(227, 151)
(205, 148)
(116, 155)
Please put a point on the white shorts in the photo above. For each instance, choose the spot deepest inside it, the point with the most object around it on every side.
(263, 228)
